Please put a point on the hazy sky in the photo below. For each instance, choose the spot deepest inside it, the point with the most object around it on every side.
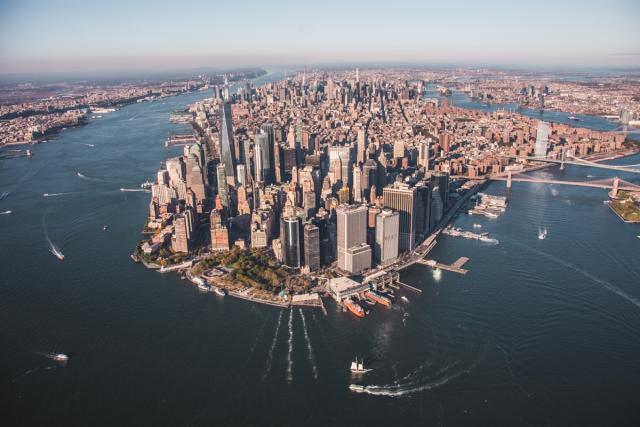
(65, 35)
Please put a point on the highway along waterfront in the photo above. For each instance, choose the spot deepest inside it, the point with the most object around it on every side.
(538, 331)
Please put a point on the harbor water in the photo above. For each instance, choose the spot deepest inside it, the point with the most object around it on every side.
(539, 332)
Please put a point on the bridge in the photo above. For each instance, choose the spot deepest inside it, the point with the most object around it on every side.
(614, 184)
(571, 160)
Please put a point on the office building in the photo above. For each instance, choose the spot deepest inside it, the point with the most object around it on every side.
(227, 144)
(387, 236)
(403, 199)
(542, 139)
(354, 255)
(312, 247)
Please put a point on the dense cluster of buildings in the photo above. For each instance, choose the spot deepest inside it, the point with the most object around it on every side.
(346, 170)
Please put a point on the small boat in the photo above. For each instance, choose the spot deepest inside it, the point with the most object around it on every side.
(60, 357)
(56, 252)
(358, 368)
(369, 302)
(638, 236)
(542, 234)
(218, 291)
(475, 225)
(358, 388)
(405, 299)
(105, 227)
(204, 288)
(574, 118)
(5, 213)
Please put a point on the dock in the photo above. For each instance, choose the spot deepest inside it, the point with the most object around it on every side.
(409, 287)
(456, 267)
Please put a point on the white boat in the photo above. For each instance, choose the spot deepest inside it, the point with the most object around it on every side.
(204, 288)
(358, 388)
(405, 299)
(60, 357)
(5, 213)
(56, 252)
(542, 233)
(105, 227)
(358, 368)
(218, 291)
(475, 225)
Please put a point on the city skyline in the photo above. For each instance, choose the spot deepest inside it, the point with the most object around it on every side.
(58, 36)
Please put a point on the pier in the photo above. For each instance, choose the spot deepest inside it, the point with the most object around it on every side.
(456, 267)
(409, 287)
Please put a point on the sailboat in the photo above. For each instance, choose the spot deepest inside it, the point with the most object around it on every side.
(358, 367)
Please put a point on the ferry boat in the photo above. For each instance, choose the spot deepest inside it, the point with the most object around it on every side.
(380, 299)
(357, 388)
(358, 367)
(60, 357)
(354, 308)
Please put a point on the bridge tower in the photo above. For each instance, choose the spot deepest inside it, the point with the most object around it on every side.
(614, 191)
(563, 158)
(509, 179)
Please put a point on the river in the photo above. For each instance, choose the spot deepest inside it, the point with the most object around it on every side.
(539, 331)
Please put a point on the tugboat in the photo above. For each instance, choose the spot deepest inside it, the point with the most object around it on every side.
(358, 368)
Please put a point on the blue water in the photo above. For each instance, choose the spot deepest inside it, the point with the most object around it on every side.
(538, 333)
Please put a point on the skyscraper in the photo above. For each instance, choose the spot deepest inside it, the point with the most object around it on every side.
(387, 236)
(361, 145)
(354, 255)
(423, 155)
(542, 139)
(227, 150)
(402, 198)
(291, 238)
(312, 247)
(223, 191)
(261, 159)
(268, 130)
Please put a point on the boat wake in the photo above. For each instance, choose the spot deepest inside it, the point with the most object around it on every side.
(53, 194)
(4, 195)
(312, 358)
(135, 190)
(290, 352)
(399, 390)
(603, 283)
(272, 348)
(55, 250)
(5, 213)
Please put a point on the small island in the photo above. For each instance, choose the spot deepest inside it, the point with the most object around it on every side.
(627, 206)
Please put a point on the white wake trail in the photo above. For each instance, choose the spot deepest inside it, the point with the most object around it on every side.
(312, 358)
(608, 286)
(290, 352)
(272, 348)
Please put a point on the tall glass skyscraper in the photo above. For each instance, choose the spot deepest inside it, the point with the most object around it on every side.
(227, 156)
